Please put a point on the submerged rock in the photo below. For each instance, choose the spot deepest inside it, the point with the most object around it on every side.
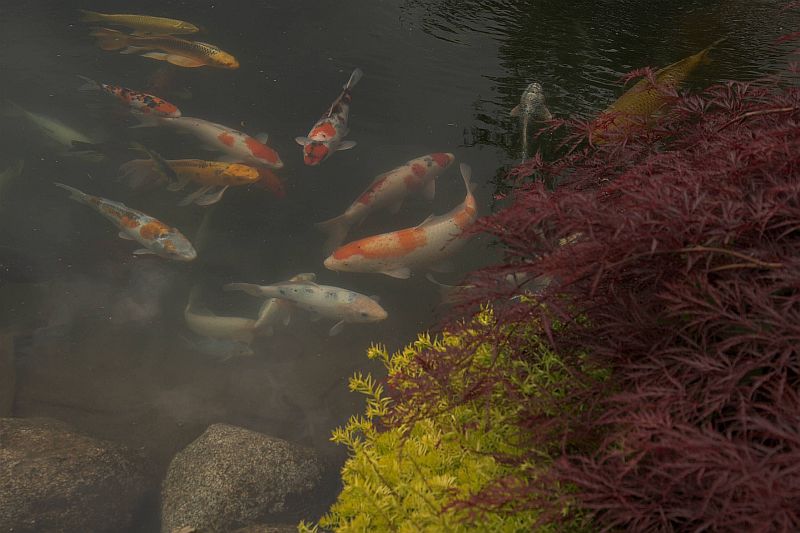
(231, 477)
(55, 480)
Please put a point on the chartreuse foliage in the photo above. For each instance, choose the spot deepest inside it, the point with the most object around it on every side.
(404, 477)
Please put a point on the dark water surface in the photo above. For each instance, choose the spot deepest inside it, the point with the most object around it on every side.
(101, 338)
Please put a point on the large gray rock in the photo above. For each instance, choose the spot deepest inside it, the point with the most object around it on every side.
(232, 477)
(55, 480)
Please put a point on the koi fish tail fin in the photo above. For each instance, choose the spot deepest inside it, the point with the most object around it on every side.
(337, 229)
(250, 288)
(88, 84)
(91, 16)
(466, 175)
(271, 182)
(75, 194)
(138, 173)
(704, 53)
(354, 78)
(108, 39)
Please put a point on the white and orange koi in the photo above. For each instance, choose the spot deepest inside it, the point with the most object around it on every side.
(425, 245)
(327, 134)
(321, 300)
(156, 237)
(238, 147)
(388, 191)
(138, 102)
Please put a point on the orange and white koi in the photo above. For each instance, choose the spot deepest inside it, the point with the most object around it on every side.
(327, 134)
(143, 103)
(156, 237)
(189, 54)
(388, 191)
(425, 245)
(214, 177)
(239, 147)
(321, 300)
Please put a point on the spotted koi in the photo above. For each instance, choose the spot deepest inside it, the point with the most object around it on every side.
(142, 103)
(327, 134)
(156, 237)
(388, 191)
(425, 245)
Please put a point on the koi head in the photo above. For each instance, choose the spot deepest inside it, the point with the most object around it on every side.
(238, 174)
(443, 159)
(173, 245)
(315, 152)
(225, 60)
(166, 109)
(365, 309)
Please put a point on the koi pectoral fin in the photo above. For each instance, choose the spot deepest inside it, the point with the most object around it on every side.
(211, 199)
(159, 56)
(143, 251)
(399, 273)
(302, 141)
(337, 328)
(123, 235)
(516, 111)
(183, 61)
(178, 185)
(346, 145)
(195, 195)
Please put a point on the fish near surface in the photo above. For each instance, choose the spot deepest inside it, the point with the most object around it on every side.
(141, 24)
(342, 305)
(643, 99)
(398, 252)
(156, 237)
(237, 146)
(327, 134)
(138, 102)
(275, 311)
(388, 191)
(531, 107)
(179, 52)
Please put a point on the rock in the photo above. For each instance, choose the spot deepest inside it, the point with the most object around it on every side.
(55, 480)
(231, 477)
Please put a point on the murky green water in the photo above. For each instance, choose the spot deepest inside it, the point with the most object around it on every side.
(100, 336)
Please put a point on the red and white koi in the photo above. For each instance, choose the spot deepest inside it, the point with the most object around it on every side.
(388, 191)
(327, 134)
(239, 147)
(321, 300)
(425, 245)
(156, 237)
(143, 103)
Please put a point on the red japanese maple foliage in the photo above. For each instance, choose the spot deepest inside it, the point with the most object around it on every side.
(674, 255)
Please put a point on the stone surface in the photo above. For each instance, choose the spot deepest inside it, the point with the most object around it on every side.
(232, 477)
(55, 480)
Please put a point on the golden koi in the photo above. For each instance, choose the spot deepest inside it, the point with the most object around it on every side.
(141, 24)
(639, 102)
(189, 54)
(425, 245)
(388, 191)
(327, 134)
(156, 237)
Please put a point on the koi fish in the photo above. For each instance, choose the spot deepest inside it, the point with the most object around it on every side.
(214, 177)
(388, 191)
(141, 24)
(206, 324)
(143, 103)
(276, 311)
(238, 146)
(531, 107)
(425, 245)
(156, 237)
(189, 54)
(643, 99)
(327, 134)
(339, 304)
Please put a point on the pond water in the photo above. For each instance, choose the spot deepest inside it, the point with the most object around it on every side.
(99, 334)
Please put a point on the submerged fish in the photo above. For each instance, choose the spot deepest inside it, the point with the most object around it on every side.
(156, 237)
(327, 134)
(190, 54)
(339, 304)
(141, 24)
(425, 245)
(143, 103)
(275, 311)
(10, 174)
(206, 324)
(220, 349)
(214, 177)
(643, 99)
(56, 131)
(531, 108)
(388, 191)
(238, 146)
